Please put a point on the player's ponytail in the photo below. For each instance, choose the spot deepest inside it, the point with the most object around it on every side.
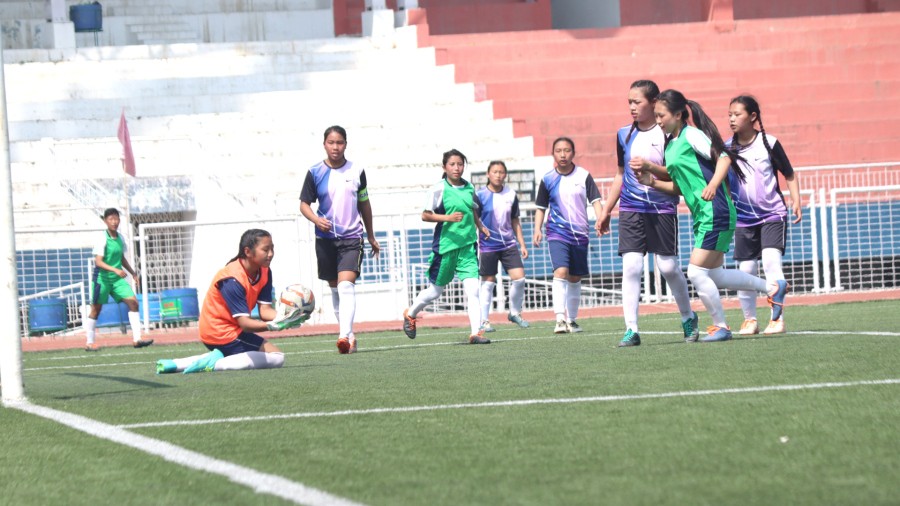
(249, 239)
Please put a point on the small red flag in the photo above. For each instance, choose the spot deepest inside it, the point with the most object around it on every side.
(127, 153)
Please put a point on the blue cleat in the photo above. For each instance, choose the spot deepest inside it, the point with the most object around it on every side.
(631, 338)
(691, 328)
(206, 363)
(776, 298)
(715, 334)
(518, 320)
(166, 366)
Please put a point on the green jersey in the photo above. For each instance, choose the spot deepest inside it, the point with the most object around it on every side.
(444, 198)
(691, 167)
(112, 249)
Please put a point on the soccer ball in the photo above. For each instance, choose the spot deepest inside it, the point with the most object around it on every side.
(296, 298)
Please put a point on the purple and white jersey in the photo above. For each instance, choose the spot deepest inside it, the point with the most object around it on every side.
(497, 212)
(338, 191)
(566, 198)
(758, 199)
(635, 197)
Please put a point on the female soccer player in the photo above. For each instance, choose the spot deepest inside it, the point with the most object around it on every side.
(109, 280)
(761, 212)
(226, 327)
(499, 213)
(564, 194)
(343, 211)
(647, 218)
(451, 204)
(697, 164)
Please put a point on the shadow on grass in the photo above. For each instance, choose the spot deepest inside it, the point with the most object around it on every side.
(141, 384)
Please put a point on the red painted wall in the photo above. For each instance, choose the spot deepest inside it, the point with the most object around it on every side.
(755, 9)
(458, 16)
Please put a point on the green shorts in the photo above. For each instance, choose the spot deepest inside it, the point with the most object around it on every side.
(119, 289)
(462, 262)
(714, 240)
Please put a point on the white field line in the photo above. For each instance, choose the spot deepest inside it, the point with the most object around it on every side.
(524, 402)
(412, 344)
(261, 483)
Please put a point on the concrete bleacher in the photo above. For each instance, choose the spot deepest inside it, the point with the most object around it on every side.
(128, 22)
(827, 85)
(244, 111)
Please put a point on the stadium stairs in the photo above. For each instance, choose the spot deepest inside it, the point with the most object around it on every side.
(248, 115)
(828, 85)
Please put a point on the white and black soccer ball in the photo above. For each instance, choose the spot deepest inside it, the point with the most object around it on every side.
(295, 298)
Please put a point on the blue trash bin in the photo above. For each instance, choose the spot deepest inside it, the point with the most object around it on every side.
(47, 315)
(153, 302)
(113, 314)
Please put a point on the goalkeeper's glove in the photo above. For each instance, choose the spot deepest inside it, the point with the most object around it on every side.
(287, 321)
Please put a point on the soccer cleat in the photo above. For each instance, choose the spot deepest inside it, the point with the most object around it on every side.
(343, 345)
(518, 320)
(573, 328)
(486, 326)
(352, 343)
(166, 366)
(560, 327)
(479, 338)
(631, 338)
(691, 328)
(206, 363)
(749, 327)
(776, 298)
(775, 327)
(409, 324)
(92, 347)
(141, 343)
(716, 334)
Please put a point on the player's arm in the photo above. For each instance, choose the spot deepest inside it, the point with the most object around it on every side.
(615, 191)
(640, 164)
(669, 187)
(236, 299)
(364, 206)
(308, 195)
(723, 165)
(98, 261)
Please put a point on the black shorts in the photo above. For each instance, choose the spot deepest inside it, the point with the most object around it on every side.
(648, 233)
(750, 241)
(487, 261)
(338, 255)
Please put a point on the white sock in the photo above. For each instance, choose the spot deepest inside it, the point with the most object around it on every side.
(734, 279)
(748, 297)
(471, 287)
(90, 328)
(516, 296)
(573, 300)
(558, 290)
(632, 269)
(709, 294)
(336, 302)
(134, 319)
(772, 265)
(487, 298)
(250, 360)
(424, 298)
(347, 292)
(771, 259)
(674, 276)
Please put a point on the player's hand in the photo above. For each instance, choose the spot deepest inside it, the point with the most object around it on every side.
(637, 163)
(603, 220)
(376, 247)
(486, 232)
(645, 177)
(287, 321)
(523, 251)
(455, 217)
(797, 210)
(538, 237)
(708, 193)
(323, 224)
